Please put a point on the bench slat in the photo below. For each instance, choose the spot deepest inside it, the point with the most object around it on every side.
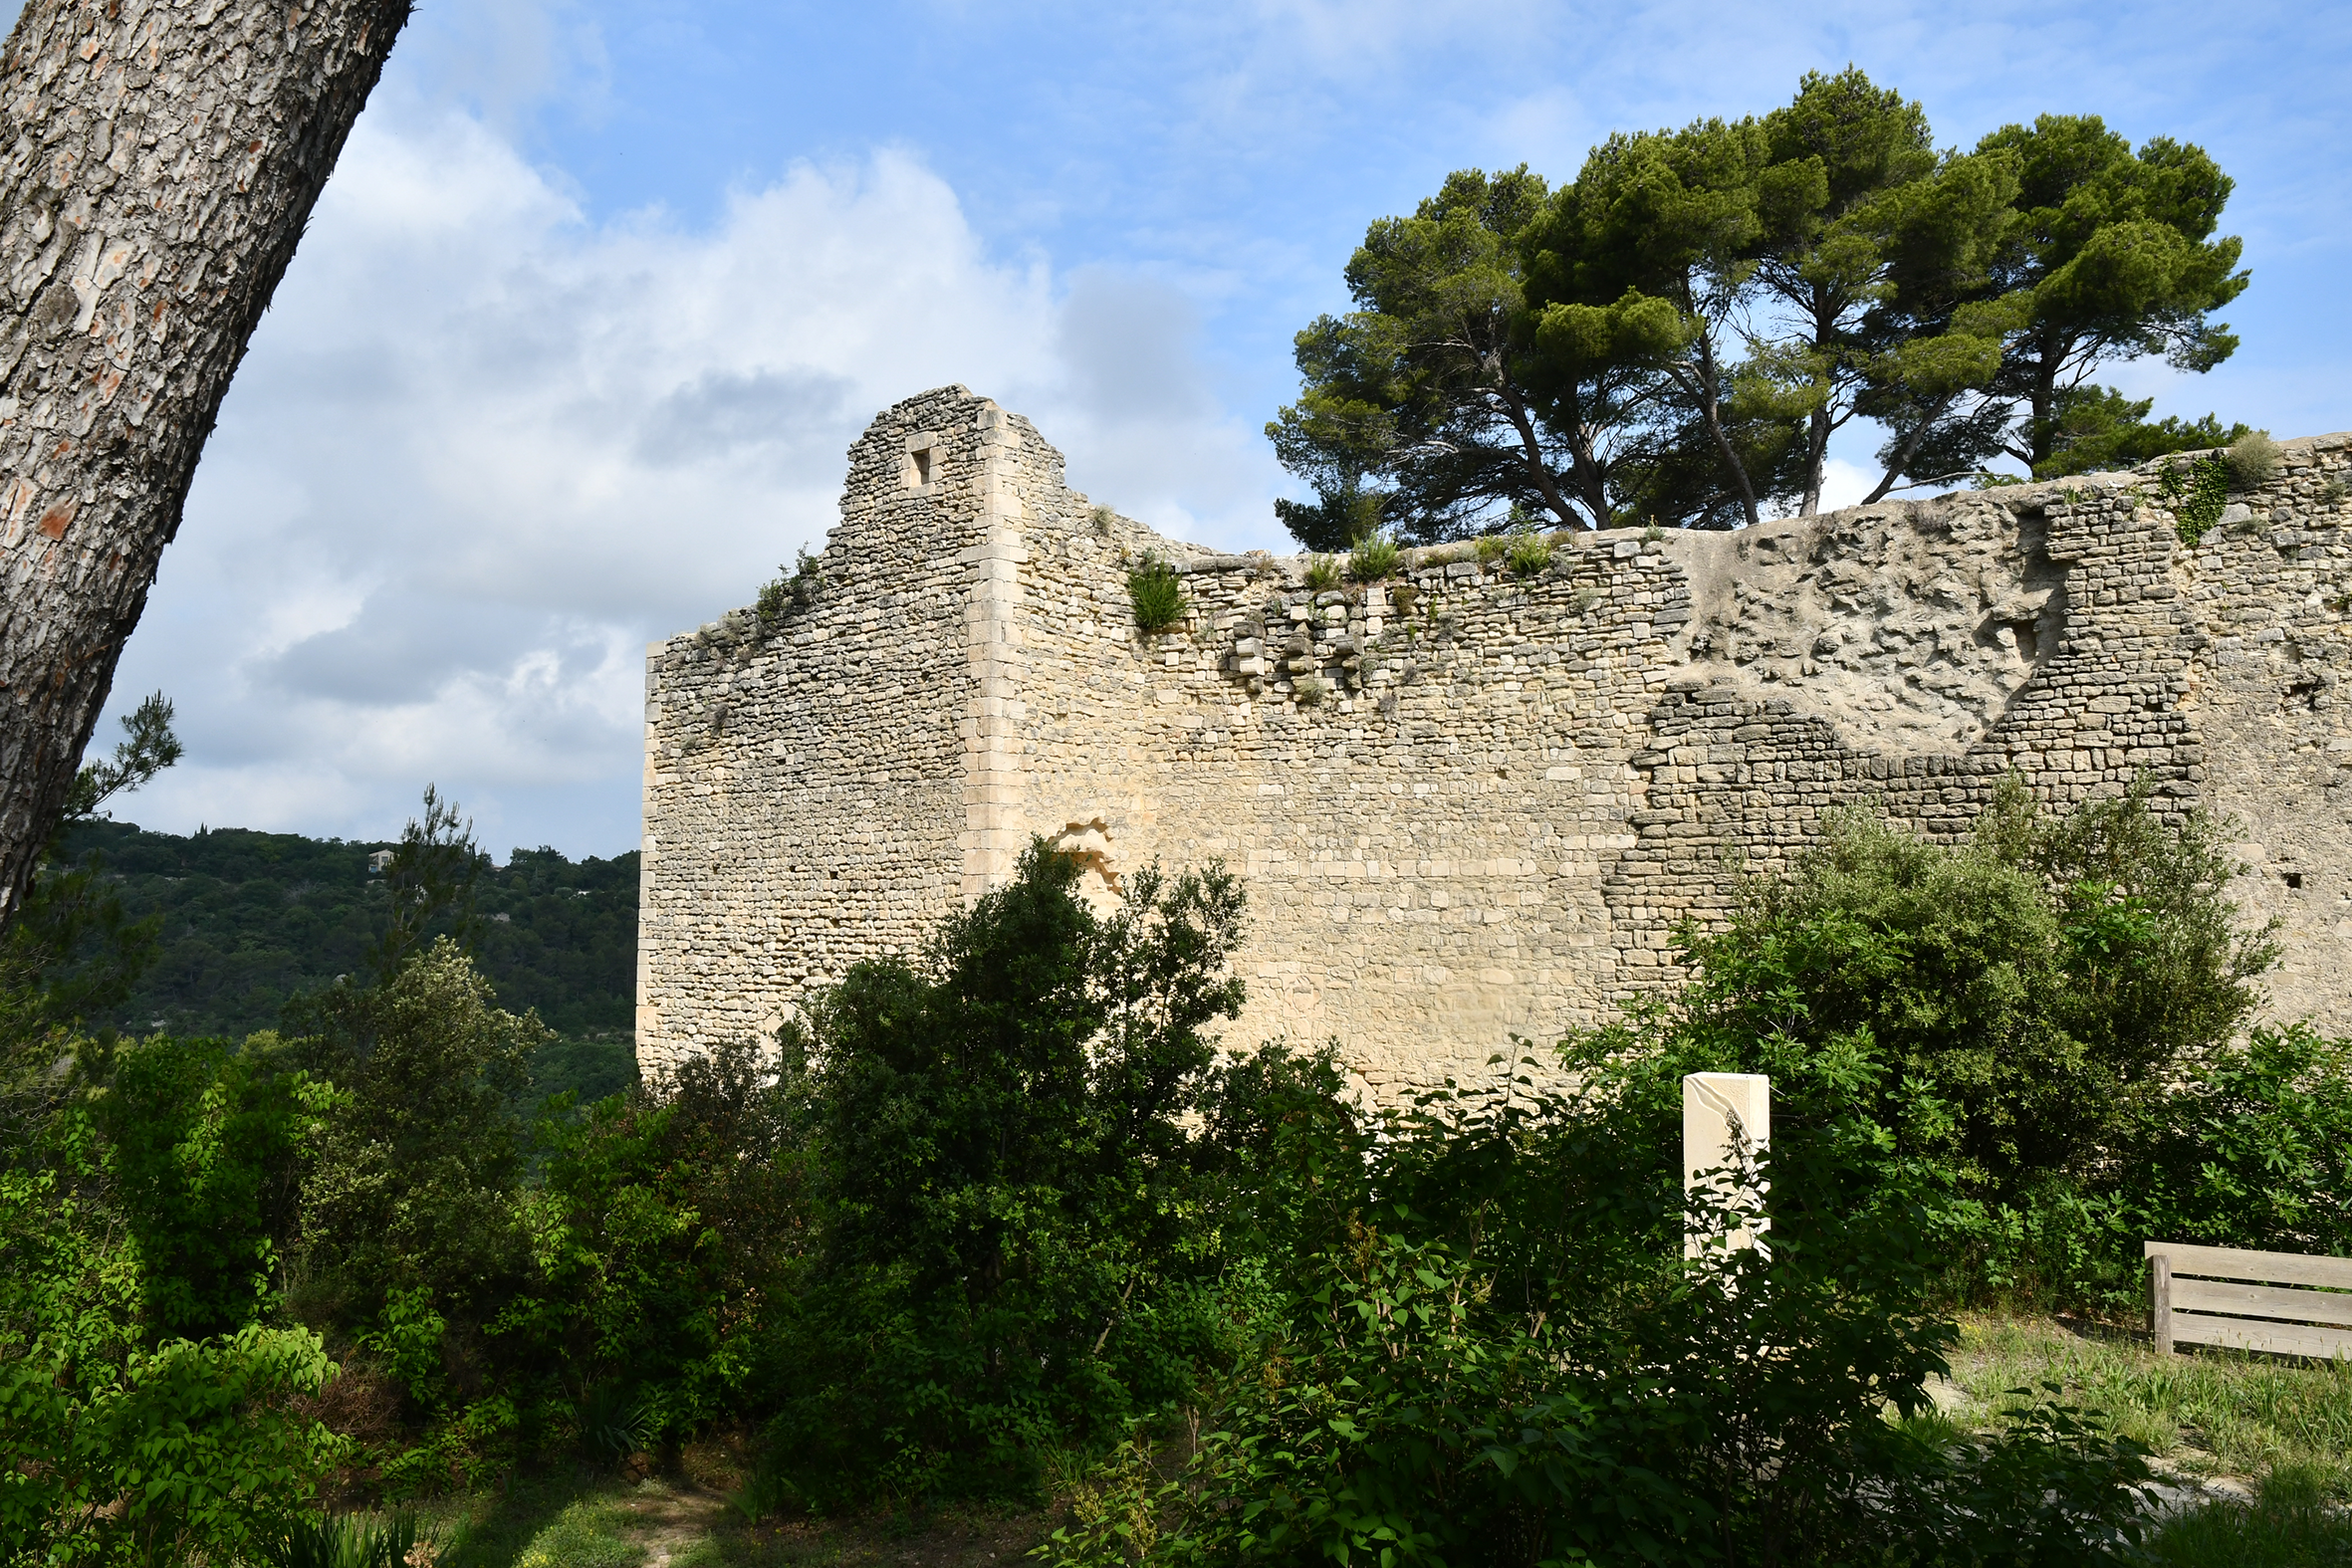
(2310, 1306)
(2277, 1268)
(2282, 1339)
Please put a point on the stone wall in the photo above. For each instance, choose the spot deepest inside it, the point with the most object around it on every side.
(1467, 803)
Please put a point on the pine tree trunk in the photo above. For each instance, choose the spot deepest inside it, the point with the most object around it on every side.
(163, 158)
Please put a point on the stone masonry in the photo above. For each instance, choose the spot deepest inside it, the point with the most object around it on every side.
(1466, 803)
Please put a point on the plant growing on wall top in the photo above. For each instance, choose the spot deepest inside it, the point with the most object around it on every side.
(1530, 554)
(787, 593)
(1323, 572)
(1374, 559)
(2254, 460)
(1157, 595)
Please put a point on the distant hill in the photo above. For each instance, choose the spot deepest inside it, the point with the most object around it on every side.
(251, 919)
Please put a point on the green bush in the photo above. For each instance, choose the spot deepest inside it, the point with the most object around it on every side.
(1324, 572)
(2042, 979)
(1490, 1349)
(417, 1179)
(2254, 460)
(1374, 559)
(1531, 553)
(1010, 1245)
(206, 1148)
(1157, 595)
(667, 1222)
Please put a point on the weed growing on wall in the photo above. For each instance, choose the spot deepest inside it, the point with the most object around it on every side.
(1530, 554)
(1156, 594)
(1324, 572)
(1374, 560)
(787, 592)
(2197, 492)
(2255, 460)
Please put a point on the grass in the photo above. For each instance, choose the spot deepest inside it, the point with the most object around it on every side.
(2289, 1523)
(2286, 1425)
(597, 1519)
(2211, 1413)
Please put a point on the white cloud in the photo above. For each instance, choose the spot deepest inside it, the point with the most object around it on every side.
(482, 450)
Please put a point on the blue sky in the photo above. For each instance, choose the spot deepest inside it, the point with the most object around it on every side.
(600, 293)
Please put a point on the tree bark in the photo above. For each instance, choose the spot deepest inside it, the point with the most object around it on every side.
(166, 157)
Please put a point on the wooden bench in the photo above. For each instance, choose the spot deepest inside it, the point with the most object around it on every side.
(2221, 1295)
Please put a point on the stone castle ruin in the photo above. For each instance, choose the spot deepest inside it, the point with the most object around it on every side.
(1465, 803)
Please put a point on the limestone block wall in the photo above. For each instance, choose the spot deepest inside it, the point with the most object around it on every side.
(1466, 803)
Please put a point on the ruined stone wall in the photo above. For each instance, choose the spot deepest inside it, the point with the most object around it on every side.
(1467, 803)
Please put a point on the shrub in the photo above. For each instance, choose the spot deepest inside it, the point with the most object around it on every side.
(1488, 1338)
(2254, 460)
(1490, 548)
(1531, 553)
(345, 1542)
(1011, 1246)
(1374, 560)
(417, 1178)
(1311, 689)
(206, 1150)
(784, 593)
(667, 1221)
(1157, 595)
(1324, 572)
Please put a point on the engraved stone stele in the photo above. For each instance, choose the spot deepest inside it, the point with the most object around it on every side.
(1465, 805)
(1726, 1129)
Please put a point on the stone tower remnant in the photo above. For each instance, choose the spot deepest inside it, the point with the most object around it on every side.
(1465, 803)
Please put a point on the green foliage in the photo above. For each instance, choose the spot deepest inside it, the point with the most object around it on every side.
(345, 1542)
(120, 1448)
(149, 747)
(1681, 331)
(1010, 1242)
(2197, 492)
(1488, 1348)
(2254, 459)
(1324, 572)
(186, 1452)
(667, 1222)
(416, 1181)
(2033, 988)
(1374, 560)
(1156, 594)
(429, 885)
(2098, 429)
(2109, 256)
(784, 594)
(1415, 407)
(239, 922)
(1529, 554)
(2247, 1144)
(207, 1146)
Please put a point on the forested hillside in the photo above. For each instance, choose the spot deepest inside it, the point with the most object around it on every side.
(251, 919)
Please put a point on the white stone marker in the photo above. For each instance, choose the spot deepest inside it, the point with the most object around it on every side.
(1727, 1120)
